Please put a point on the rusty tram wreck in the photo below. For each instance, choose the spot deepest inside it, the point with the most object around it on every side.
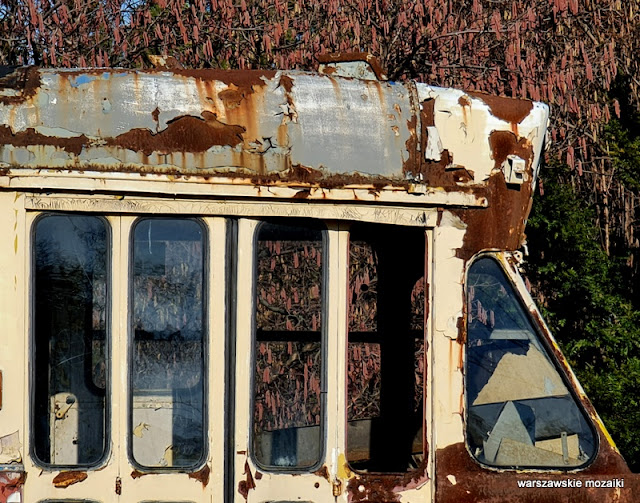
(275, 286)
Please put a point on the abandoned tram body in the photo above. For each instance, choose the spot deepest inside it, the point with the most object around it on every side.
(260, 286)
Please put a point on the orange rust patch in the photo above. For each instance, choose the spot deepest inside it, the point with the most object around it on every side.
(135, 474)
(202, 475)
(508, 109)
(338, 57)
(504, 143)
(475, 483)
(65, 479)
(322, 472)
(31, 137)
(231, 98)
(385, 487)
(287, 83)
(244, 80)
(183, 134)
(463, 101)
(244, 486)
(427, 112)
(501, 225)
(25, 80)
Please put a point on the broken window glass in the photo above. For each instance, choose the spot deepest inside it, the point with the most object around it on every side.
(167, 375)
(521, 412)
(288, 392)
(69, 418)
(385, 359)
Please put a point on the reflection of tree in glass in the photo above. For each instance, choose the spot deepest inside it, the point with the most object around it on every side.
(170, 304)
(490, 300)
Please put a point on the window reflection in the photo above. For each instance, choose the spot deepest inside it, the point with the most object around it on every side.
(521, 413)
(168, 343)
(70, 317)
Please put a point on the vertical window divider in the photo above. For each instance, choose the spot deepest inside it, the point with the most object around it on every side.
(216, 345)
(121, 341)
(337, 351)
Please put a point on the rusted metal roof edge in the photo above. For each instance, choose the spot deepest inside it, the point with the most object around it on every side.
(236, 188)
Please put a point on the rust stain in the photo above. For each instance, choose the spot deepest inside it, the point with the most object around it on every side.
(202, 475)
(302, 194)
(244, 80)
(500, 225)
(287, 83)
(244, 486)
(65, 479)
(477, 484)
(25, 80)
(440, 173)
(30, 137)
(135, 474)
(231, 98)
(118, 486)
(508, 109)
(338, 57)
(504, 143)
(377, 487)
(322, 472)
(463, 101)
(183, 134)
(427, 112)
(258, 475)
(412, 163)
(156, 118)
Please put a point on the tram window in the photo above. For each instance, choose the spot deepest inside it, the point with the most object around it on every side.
(69, 419)
(385, 361)
(521, 413)
(288, 381)
(167, 375)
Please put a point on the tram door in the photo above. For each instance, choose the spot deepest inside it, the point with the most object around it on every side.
(330, 362)
(127, 348)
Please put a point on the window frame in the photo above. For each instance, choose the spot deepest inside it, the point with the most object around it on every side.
(206, 334)
(321, 226)
(108, 390)
(545, 338)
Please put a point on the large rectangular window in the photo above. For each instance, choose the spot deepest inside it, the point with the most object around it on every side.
(168, 343)
(385, 359)
(288, 391)
(69, 416)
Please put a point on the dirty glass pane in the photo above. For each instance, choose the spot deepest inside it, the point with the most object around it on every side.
(69, 417)
(521, 413)
(385, 358)
(288, 392)
(167, 380)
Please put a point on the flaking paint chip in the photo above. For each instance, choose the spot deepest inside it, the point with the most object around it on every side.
(139, 430)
